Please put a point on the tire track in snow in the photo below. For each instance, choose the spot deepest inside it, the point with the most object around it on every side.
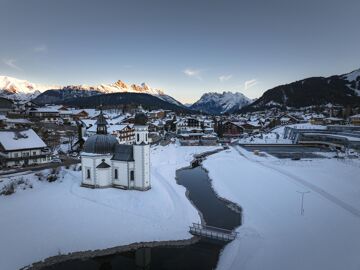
(314, 188)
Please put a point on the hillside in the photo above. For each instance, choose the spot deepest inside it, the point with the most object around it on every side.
(337, 90)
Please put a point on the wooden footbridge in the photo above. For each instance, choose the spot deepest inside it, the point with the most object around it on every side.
(213, 233)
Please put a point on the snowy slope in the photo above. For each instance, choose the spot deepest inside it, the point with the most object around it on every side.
(354, 80)
(13, 88)
(218, 103)
(337, 89)
(274, 234)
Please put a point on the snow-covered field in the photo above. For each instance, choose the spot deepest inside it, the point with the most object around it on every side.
(62, 217)
(274, 234)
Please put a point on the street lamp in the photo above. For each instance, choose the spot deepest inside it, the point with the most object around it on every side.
(302, 200)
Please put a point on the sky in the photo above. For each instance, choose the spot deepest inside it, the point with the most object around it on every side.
(185, 47)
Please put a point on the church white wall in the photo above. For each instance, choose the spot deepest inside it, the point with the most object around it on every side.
(142, 166)
(87, 163)
(123, 173)
(97, 178)
(103, 177)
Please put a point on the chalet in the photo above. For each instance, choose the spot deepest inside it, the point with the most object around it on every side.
(44, 114)
(18, 123)
(287, 119)
(6, 105)
(2, 121)
(232, 129)
(66, 116)
(156, 126)
(355, 120)
(124, 133)
(317, 119)
(333, 121)
(22, 148)
(80, 114)
(193, 122)
(159, 114)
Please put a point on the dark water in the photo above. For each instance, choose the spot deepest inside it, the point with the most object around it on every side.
(201, 255)
(215, 212)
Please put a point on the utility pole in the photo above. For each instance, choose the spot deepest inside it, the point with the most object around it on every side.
(302, 200)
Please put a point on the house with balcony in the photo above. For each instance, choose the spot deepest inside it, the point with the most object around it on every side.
(22, 148)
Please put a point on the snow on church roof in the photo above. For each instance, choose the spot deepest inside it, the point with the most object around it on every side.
(24, 139)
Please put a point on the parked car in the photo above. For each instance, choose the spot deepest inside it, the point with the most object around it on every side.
(56, 160)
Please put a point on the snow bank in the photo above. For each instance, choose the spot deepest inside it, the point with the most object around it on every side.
(62, 217)
(274, 235)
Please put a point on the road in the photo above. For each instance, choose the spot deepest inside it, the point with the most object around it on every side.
(66, 162)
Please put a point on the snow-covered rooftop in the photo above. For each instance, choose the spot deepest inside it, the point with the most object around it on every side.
(16, 140)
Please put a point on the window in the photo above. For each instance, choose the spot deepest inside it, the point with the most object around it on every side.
(34, 153)
(146, 137)
(88, 176)
(138, 137)
(116, 174)
(132, 175)
(15, 155)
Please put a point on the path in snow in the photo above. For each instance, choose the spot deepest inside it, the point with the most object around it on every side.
(314, 188)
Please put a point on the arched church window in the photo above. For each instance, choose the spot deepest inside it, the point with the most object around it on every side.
(132, 175)
(116, 174)
(146, 137)
(138, 137)
(88, 175)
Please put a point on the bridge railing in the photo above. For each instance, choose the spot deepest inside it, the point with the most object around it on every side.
(213, 232)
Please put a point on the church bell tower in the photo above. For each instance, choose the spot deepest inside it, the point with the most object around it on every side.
(141, 152)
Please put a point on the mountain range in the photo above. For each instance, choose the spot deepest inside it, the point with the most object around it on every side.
(220, 103)
(16, 89)
(337, 90)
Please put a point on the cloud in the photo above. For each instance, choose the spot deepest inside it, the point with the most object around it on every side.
(194, 73)
(224, 78)
(41, 48)
(250, 83)
(12, 63)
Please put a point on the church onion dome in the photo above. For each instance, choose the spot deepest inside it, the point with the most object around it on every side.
(140, 119)
(100, 144)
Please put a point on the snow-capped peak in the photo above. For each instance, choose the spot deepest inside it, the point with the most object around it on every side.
(214, 102)
(13, 85)
(23, 90)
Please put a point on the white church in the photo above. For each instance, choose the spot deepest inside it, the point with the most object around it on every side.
(106, 163)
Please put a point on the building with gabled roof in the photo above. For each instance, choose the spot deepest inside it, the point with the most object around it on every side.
(22, 148)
